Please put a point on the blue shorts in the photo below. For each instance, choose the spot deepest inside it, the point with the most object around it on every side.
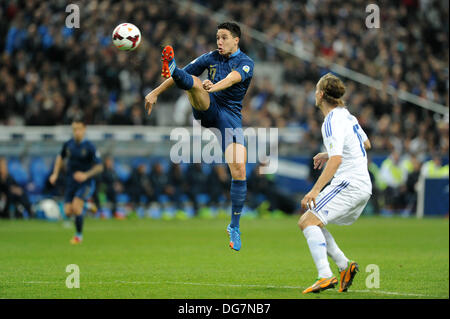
(84, 190)
(222, 118)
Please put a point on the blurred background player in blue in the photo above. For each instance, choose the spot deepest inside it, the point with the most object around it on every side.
(83, 163)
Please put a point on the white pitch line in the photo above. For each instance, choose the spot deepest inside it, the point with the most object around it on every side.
(228, 285)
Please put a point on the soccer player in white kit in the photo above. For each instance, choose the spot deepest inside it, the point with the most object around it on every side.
(344, 199)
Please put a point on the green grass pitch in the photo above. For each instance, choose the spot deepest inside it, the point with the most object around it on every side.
(190, 259)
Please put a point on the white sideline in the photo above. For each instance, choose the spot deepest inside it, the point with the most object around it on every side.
(375, 291)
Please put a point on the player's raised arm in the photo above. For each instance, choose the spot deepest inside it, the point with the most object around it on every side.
(152, 97)
(232, 78)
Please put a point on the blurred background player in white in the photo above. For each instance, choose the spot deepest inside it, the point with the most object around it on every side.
(344, 199)
(83, 163)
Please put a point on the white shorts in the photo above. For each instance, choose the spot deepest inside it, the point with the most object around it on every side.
(340, 203)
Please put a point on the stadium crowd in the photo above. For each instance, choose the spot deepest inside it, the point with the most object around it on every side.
(50, 73)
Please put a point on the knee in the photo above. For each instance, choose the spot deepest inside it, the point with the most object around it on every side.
(68, 211)
(77, 209)
(197, 83)
(238, 171)
(308, 219)
(301, 224)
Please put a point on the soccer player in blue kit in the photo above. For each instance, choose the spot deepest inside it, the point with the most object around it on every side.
(217, 103)
(83, 162)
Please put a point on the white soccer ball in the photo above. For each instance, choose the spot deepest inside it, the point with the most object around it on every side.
(50, 209)
(126, 37)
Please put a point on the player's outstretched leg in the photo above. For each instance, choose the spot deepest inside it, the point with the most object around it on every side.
(347, 268)
(235, 155)
(198, 96)
(309, 224)
(169, 69)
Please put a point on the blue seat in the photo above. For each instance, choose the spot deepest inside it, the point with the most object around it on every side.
(39, 172)
(18, 172)
(123, 171)
(123, 198)
(202, 199)
(163, 199)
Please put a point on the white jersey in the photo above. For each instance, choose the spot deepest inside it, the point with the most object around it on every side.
(343, 136)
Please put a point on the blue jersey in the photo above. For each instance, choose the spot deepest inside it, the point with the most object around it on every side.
(218, 68)
(80, 156)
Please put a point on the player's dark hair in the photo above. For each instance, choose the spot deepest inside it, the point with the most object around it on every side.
(79, 119)
(233, 27)
(333, 89)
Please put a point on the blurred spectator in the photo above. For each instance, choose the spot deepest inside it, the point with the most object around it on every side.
(434, 168)
(110, 184)
(411, 185)
(262, 187)
(219, 181)
(178, 182)
(120, 116)
(377, 184)
(139, 187)
(197, 181)
(393, 178)
(161, 183)
(11, 193)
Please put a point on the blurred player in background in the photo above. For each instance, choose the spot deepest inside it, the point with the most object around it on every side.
(344, 199)
(83, 162)
(217, 103)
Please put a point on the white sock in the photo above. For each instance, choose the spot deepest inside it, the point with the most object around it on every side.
(334, 251)
(318, 247)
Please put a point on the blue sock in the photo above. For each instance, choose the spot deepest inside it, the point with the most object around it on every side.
(79, 225)
(238, 193)
(181, 78)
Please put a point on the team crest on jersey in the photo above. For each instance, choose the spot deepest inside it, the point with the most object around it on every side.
(246, 68)
(83, 152)
(331, 146)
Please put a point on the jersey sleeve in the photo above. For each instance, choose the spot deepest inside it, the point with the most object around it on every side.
(362, 133)
(63, 152)
(199, 65)
(245, 69)
(96, 158)
(359, 130)
(333, 136)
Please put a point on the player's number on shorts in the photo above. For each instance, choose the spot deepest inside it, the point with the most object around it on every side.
(355, 129)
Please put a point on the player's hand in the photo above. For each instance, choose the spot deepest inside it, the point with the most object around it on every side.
(150, 100)
(80, 177)
(320, 160)
(207, 84)
(309, 201)
(52, 179)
